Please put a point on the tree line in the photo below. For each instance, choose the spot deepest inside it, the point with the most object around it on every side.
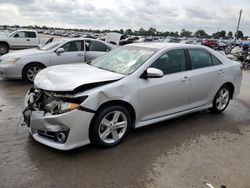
(148, 32)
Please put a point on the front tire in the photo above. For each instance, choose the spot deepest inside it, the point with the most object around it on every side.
(4, 49)
(110, 126)
(221, 99)
(30, 71)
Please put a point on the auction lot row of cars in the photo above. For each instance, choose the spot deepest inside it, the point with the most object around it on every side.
(102, 90)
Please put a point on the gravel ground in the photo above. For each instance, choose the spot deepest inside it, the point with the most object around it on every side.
(183, 152)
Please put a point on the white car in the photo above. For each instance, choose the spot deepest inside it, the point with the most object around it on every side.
(129, 87)
(21, 39)
(25, 64)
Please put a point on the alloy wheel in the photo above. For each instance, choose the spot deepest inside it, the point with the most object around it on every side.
(3, 50)
(32, 72)
(222, 99)
(113, 127)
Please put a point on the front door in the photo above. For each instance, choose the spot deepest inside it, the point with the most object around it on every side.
(19, 40)
(73, 53)
(169, 94)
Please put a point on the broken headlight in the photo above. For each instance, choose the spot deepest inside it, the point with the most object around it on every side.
(62, 105)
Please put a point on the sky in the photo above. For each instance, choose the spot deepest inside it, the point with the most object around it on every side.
(164, 15)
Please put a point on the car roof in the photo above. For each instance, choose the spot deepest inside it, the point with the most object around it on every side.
(89, 39)
(25, 30)
(163, 45)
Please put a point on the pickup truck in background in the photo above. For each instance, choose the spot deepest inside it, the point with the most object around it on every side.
(21, 39)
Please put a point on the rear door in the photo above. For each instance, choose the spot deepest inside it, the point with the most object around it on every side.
(31, 38)
(166, 95)
(206, 76)
(95, 49)
(73, 53)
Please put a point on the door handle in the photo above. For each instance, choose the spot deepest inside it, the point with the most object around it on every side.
(80, 54)
(221, 72)
(27, 39)
(185, 79)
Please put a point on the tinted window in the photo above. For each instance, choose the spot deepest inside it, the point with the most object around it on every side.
(97, 46)
(215, 60)
(73, 46)
(171, 62)
(30, 34)
(199, 58)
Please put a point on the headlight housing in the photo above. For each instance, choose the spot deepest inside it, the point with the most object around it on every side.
(9, 61)
(66, 106)
(62, 105)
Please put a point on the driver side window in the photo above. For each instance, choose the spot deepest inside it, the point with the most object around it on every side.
(73, 46)
(20, 35)
(171, 62)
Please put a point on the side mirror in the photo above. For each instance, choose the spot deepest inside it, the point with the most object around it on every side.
(154, 73)
(16, 35)
(59, 51)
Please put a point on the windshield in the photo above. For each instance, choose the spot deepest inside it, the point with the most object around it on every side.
(52, 45)
(11, 34)
(124, 60)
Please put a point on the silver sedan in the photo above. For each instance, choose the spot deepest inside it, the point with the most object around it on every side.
(25, 64)
(129, 87)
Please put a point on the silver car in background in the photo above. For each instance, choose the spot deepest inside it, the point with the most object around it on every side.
(129, 87)
(25, 64)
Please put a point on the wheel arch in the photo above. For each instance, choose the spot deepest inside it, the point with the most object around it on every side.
(4, 42)
(231, 86)
(30, 63)
(122, 103)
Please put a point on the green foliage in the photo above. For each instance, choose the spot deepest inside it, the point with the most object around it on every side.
(200, 34)
(185, 33)
(239, 34)
(144, 32)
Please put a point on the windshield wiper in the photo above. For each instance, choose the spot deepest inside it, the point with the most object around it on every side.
(89, 62)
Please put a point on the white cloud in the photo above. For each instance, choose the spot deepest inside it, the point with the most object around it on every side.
(115, 14)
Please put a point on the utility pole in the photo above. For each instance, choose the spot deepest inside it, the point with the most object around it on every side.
(238, 25)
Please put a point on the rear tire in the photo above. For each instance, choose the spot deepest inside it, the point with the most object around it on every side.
(247, 66)
(4, 49)
(110, 126)
(221, 99)
(30, 71)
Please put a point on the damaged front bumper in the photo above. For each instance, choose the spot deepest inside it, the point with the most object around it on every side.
(61, 131)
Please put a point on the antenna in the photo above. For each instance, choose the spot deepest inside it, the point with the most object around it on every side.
(238, 25)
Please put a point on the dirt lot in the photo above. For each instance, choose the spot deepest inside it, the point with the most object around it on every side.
(184, 152)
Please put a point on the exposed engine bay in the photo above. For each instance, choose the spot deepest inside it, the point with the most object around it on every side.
(50, 102)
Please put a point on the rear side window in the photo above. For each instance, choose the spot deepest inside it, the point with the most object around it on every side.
(171, 62)
(97, 46)
(200, 58)
(215, 60)
(30, 34)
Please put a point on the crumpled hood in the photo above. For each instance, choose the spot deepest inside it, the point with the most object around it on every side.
(69, 77)
(22, 53)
